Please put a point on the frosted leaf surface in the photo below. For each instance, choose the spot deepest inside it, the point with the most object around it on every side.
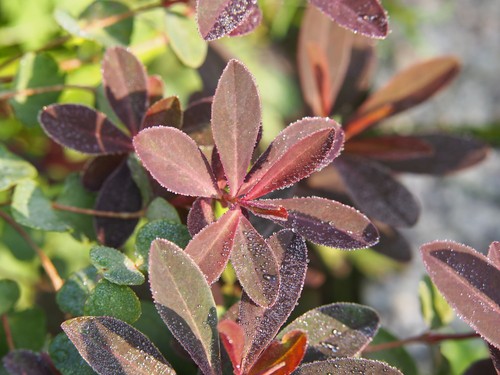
(347, 366)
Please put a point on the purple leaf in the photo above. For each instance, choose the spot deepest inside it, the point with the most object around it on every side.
(469, 282)
(494, 253)
(185, 303)
(165, 112)
(113, 347)
(83, 129)
(211, 247)
(495, 357)
(236, 120)
(346, 366)
(249, 23)
(26, 362)
(366, 17)
(175, 161)
(261, 324)
(196, 122)
(200, 215)
(98, 169)
(126, 86)
(376, 192)
(255, 264)
(327, 222)
(392, 244)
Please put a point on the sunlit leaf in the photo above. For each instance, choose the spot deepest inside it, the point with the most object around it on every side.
(469, 282)
(252, 19)
(435, 310)
(26, 362)
(115, 266)
(13, 169)
(494, 253)
(185, 303)
(233, 339)
(113, 347)
(66, 358)
(165, 112)
(200, 215)
(160, 209)
(346, 366)
(75, 291)
(9, 294)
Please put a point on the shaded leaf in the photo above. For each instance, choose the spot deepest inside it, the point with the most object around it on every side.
(481, 367)
(468, 281)
(28, 328)
(115, 266)
(175, 161)
(156, 86)
(75, 291)
(26, 362)
(327, 222)
(494, 253)
(83, 129)
(118, 301)
(196, 121)
(336, 330)
(141, 178)
(13, 169)
(66, 358)
(165, 112)
(347, 366)
(9, 294)
(495, 357)
(160, 209)
(185, 303)
(252, 19)
(233, 339)
(98, 169)
(366, 17)
(393, 244)
(112, 347)
(435, 310)
(200, 215)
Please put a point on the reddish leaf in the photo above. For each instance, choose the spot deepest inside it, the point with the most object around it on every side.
(236, 119)
(175, 161)
(98, 169)
(255, 264)
(469, 282)
(26, 362)
(126, 86)
(323, 58)
(344, 366)
(83, 129)
(200, 215)
(376, 193)
(233, 339)
(196, 122)
(262, 209)
(165, 112)
(155, 88)
(392, 244)
(327, 222)
(282, 356)
(249, 23)
(211, 247)
(366, 17)
(495, 357)
(494, 253)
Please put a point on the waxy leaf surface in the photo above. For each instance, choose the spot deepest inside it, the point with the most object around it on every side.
(66, 358)
(75, 291)
(200, 215)
(249, 23)
(165, 112)
(185, 303)
(469, 282)
(233, 339)
(13, 169)
(347, 366)
(112, 347)
(115, 266)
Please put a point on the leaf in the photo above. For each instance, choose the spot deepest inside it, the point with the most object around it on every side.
(468, 281)
(336, 330)
(108, 299)
(481, 367)
(323, 56)
(255, 264)
(494, 253)
(236, 120)
(366, 17)
(173, 232)
(435, 310)
(13, 169)
(118, 194)
(495, 357)
(156, 86)
(9, 294)
(200, 215)
(377, 193)
(66, 358)
(141, 178)
(115, 266)
(261, 324)
(26, 362)
(233, 339)
(28, 328)
(113, 347)
(35, 71)
(393, 244)
(196, 121)
(251, 21)
(185, 303)
(83, 129)
(327, 222)
(211, 247)
(160, 209)
(408, 88)
(75, 291)
(98, 169)
(164, 112)
(347, 366)
(32, 209)
(175, 161)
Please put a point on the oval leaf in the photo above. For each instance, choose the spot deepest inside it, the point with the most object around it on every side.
(347, 366)
(252, 19)
(115, 266)
(113, 347)
(13, 169)
(165, 112)
(185, 303)
(9, 294)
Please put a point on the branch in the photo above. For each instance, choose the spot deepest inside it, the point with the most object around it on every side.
(88, 211)
(42, 90)
(8, 332)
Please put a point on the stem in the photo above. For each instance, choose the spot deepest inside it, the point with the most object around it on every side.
(42, 90)
(88, 211)
(425, 338)
(47, 264)
(8, 332)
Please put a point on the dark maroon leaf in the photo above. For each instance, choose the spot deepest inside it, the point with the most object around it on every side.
(155, 88)
(126, 86)
(481, 367)
(347, 366)
(376, 192)
(392, 244)
(233, 339)
(494, 253)
(218, 169)
(200, 215)
(366, 17)
(175, 161)
(469, 282)
(261, 324)
(83, 129)
(26, 362)
(495, 357)
(249, 23)
(98, 169)
(113, 347)
(119, 193)
(196, 122)
(327, 222)
(165, 112)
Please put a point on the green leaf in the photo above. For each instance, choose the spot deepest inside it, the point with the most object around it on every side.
(75, 291)
(66, 358)
(176, 233)
(9, 294)
(39, 70)
(32, 209)
(185, 39)
(28, 328)
(13, 169)
(159, 208)
(435, 310)
(115, 266)
(108, 299)
(461, 353)
(140, 177)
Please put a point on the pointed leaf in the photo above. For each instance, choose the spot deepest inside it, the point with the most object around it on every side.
(200, 215)
(126, 86)
(13, 169)
(469, 282)
(389, 147)
(236, 120)
(66, 358)
(366, 17)
(233, 339)
(165, 112)
(9, 294)
(255, 264)
(327, 222)
(98, 169)
(175, 161)
(113, 347)
(115, 266)
(26, 362)
(346, 366)
(83, 129)
(251, 21)
(211, 247)
(185, 303)
(494, 253)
